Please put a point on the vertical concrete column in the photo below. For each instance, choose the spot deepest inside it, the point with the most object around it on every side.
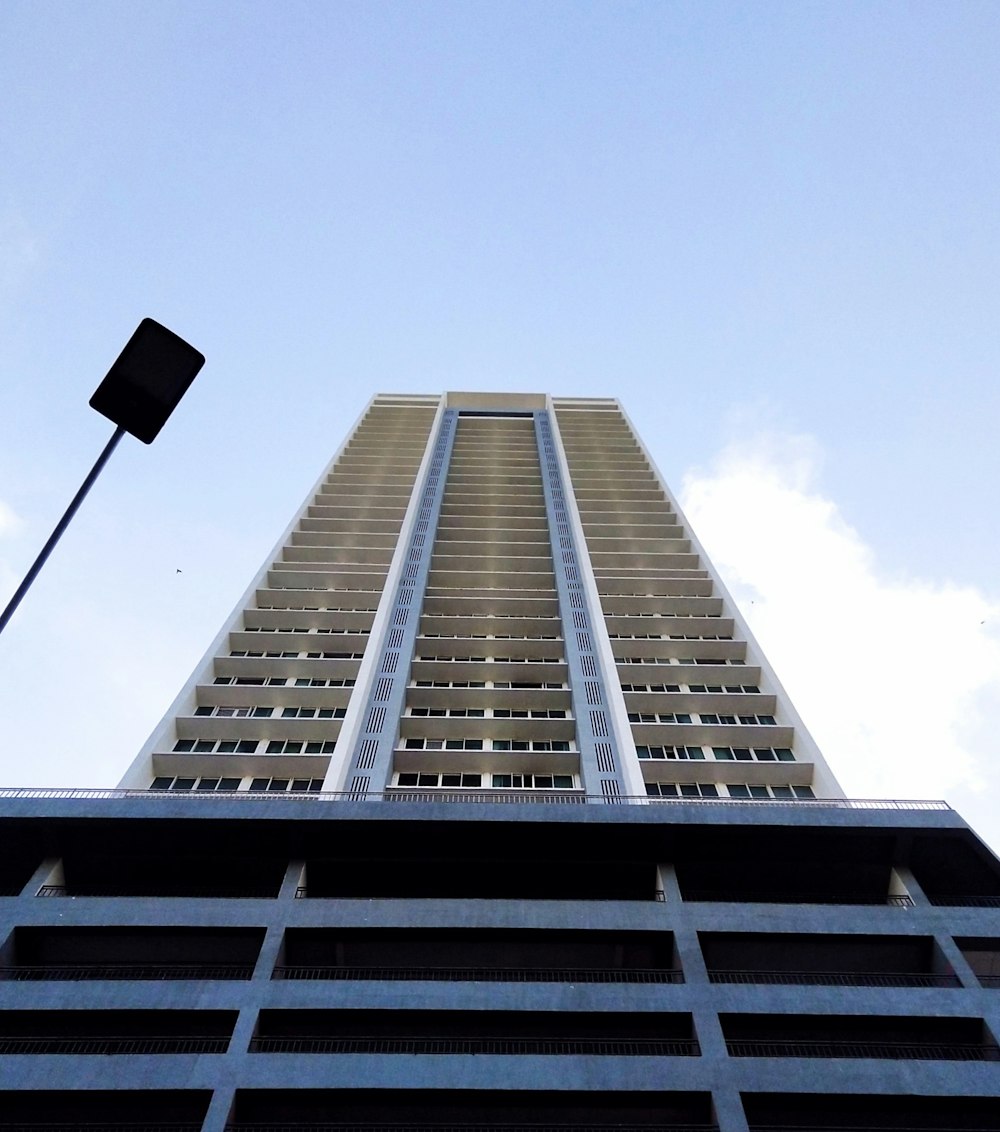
(219, 1109)
(959, 964)
(371, 762)
(600, 760)
(902, 882)
(729, 1110)
(667, 883)
(50, 871)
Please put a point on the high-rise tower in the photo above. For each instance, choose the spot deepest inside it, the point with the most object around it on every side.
(484, 810)
(487, 594)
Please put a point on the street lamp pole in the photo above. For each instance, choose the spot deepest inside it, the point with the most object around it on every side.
(61, 526)
(138, 394)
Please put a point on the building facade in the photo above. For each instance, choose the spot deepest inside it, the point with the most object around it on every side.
(485, 810)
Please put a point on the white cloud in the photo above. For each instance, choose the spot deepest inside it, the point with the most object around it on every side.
(893, 676)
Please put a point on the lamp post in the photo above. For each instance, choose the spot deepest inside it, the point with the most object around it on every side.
(138, 394)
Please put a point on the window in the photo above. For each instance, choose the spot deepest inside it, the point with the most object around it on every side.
(782, 793)
(283, 785)
(211, 746)
(754, 754)
(298, 747)
(442, 780)
(682, 790)
(308, 682)
(313, 713)
(235, 712)
(252, 681)
(449, 683)
(730, 689)
(519, 713)
(662, 752)
(443, 744)
(525, 684)
(533, 745)
(273, 629)
(533, 781)
(165, 782)
(651, 687)
(741, 720)
(659, 717)
(454, 713)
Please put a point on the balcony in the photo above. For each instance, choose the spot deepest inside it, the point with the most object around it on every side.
(73, 954)
(114, 1032)
(910, 1037)
(799, 959)
(475, 1032)
(478, 955)
(469, 1110)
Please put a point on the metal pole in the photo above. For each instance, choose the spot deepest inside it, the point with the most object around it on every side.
(61, 526)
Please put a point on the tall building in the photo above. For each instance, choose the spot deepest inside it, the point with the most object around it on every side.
(485, 810)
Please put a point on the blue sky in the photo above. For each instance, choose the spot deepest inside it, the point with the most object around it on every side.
(770, 228)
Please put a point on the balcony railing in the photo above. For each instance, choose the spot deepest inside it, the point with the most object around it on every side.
(752, 896)
(303, 893)
(81, 972)
(422, 1126)
(483, 974)
(103, 1126)
(100, 794)
(192, 892)
(940, 901)
(836, 978)
(902, 1051)
(112, 1045)
(614, 1047)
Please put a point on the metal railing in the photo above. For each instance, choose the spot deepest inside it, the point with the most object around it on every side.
(902, 1051)
(463, 1126)
(101, 1126)
(899, 1124)
(484, 974)
(613, 1047)
(193, 892)
(80, 972)
(499, 796)
(113, 1045)
(303, 893)
(751, 896)
(836, 978)
(940, 901)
